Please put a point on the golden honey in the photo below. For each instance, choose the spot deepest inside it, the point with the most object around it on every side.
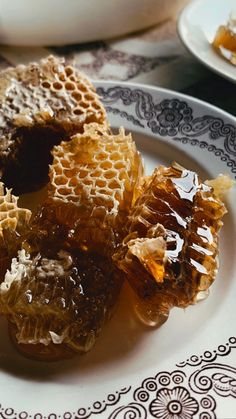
(225, 41)
(169, 254)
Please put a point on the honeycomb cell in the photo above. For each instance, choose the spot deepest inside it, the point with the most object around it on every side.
(170, 251)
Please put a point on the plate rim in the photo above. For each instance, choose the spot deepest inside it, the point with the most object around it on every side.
(169, 92)
(180, 31)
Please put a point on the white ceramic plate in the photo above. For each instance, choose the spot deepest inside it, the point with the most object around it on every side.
(197, 26)
(187, 368)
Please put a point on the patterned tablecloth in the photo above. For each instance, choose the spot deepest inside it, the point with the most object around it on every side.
(154, 56)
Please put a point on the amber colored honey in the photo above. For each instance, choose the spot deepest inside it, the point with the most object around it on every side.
(191, 217)
(65, 291)
(225, 43)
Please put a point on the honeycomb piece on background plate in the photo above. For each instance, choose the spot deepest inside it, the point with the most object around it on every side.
(225, 41)
(170, 252)
(57, 302)
(41, 104)
(94, 180)
(13, 223)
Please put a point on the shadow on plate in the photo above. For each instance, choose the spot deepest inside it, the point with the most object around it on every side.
(119, 336)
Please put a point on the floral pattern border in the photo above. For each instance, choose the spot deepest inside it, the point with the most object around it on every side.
(191, 391)
(184, 393)
(222, 350)
(181, 395)
(97, 408)
(174, 118)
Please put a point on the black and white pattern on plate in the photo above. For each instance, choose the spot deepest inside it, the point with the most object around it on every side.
(187, 392)
(175, 119)
(192, 390)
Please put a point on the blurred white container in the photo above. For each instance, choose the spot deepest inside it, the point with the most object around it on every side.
(60, 22)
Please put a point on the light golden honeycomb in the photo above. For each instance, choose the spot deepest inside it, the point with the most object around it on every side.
(98, 175)
(48, 92)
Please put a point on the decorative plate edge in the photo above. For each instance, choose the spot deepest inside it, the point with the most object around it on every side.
(173, 119)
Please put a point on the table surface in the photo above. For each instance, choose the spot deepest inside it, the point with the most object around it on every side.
(154, 56)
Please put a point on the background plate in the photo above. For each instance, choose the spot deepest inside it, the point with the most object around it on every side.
(188, 366)
(197, 26)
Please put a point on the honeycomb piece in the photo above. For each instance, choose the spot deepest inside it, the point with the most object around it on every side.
(63, 285)
(225, 41)
(13, 223)
(94, 179)
(170, 252)
(57, 302)
(41, 104)
(11, 216)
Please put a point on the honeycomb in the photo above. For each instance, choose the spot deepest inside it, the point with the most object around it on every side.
(170, 252)
(56, 302)
(41, 104)
(94, 180)
(225, 41)
(13, 221)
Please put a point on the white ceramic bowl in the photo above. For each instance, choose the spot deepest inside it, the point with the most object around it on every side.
(58, 22)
